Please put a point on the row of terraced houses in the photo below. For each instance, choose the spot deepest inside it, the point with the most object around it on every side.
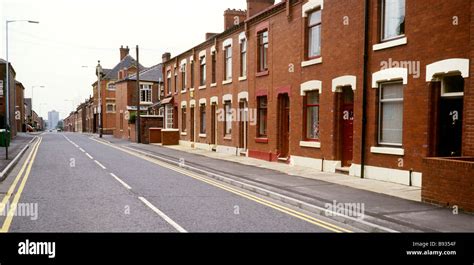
(379, 89)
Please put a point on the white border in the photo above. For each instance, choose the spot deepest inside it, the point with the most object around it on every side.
(342, 81)
(387, 151)
(243, 95)
(310, 144)
(227, 97)
(447, 66)
(312, 4)
(390, 44)
(389, 75)
(311, 86)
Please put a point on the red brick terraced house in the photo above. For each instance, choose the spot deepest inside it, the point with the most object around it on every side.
(127, 66)
(332, 85)
(126, 100)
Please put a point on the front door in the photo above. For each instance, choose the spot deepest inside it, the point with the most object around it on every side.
(243, 129)
(450, 126)
(191, 129)
(213, 124)
(347, 126)
(284, 125)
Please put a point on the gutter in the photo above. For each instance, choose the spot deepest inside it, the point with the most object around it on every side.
(364, 87)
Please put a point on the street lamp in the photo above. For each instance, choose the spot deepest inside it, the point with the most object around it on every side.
(32, 89)
(99, 72)
(7, 87)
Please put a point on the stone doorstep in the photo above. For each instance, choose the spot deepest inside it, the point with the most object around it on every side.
(377, 186)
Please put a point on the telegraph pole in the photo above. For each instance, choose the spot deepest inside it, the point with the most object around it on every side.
(99, 76)
(139, 138)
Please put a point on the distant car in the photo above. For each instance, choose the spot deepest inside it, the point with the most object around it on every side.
(59, 130)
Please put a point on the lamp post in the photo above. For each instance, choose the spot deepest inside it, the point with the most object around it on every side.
(7, 86)
(99, 72)
(32, 94)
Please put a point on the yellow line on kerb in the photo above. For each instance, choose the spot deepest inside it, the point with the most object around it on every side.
(17, 178)
(294, 213)
(9, 217)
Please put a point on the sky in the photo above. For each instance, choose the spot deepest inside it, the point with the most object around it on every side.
(62, 51)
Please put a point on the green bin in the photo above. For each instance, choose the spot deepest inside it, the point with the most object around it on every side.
(4, 138)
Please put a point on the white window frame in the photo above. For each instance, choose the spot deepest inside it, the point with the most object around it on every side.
(380, 102)
(149, 88)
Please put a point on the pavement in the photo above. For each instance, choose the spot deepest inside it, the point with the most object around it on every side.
(389, 205)
(16, 146)
(79, 184)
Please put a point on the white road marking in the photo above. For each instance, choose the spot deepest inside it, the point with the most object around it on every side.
(82, 150)
(162, 215)
(87, 154)
(121, 181)
(100, 165)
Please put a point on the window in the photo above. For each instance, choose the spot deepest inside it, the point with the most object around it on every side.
(168, 82)
(263, 51)
(183, 119)
(452, 86)
(169, 116)
(228, 119)
(243, 58)
(202, 71)
(391, 114)
(228, 63)
(314, 34)
(312, 115)
(393, 19)
(202, 119)
(213, 68)
(161, 112)
(110, 86)
(145, 93)
(192, 74)
(175, 80)
(262, 116)
(110, 106)
(183, 77)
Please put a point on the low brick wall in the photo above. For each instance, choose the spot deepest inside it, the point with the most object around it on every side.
(170, 137)
(155, 135)
(147, 122)
(449, 182)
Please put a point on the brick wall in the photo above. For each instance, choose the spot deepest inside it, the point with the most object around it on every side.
(449, 182)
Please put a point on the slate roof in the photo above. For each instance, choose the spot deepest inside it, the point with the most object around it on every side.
(125, 63)
(152, 74)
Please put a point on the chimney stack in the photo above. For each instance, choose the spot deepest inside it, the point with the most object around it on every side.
(256, 6)
(166, 57)
(124, 52)
(233, 17)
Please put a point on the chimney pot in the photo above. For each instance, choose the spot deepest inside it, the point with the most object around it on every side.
(166, 57)
(124, 52)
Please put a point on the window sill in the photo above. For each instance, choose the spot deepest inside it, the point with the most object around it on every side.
(213, 84)
(310, 144)
(388, 151)
(170, 130)
(228, 138)
(184, 91)
(184, 134)
(202, 135)
(191, 89)
(146, 103)
(264, 73)
(261, 140)
(202, 87)
(312, 62)
(390, 44)
(226, 82)
(242, 78)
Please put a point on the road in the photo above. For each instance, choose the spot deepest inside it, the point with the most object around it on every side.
(79, 184)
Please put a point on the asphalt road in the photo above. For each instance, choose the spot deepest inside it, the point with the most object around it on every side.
(81, 185)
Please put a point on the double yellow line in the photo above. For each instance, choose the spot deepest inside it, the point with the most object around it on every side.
(286, 210)
(26, 166)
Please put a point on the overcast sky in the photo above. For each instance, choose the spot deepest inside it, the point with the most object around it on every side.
(76, 33)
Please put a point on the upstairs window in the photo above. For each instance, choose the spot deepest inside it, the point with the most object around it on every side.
(314, 34)
(213, 68)
(175, 80)
(202, 71)
(145, 93)
(183, 77)
(111, 86)
(393, 19)
(228, 63)
(168, 82)
(262, 51)
(192, 74)
(243, 58)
